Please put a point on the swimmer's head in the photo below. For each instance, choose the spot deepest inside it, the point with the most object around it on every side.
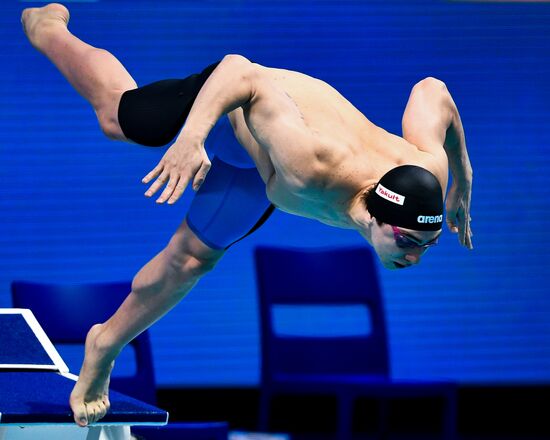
(398, 248)
(409, 197)
(406, 207)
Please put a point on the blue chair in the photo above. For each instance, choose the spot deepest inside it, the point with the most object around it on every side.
(66, 312)
(348, 367)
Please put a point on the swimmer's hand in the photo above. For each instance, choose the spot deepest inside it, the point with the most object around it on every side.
(458, 212)
(186, 160)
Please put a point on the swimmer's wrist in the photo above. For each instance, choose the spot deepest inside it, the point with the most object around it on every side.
(462, 174)
(457, 153)
(191, 135)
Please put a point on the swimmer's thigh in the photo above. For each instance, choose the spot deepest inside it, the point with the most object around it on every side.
(154, 114)
(230, 205)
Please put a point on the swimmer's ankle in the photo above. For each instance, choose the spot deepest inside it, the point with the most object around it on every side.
(100, 346)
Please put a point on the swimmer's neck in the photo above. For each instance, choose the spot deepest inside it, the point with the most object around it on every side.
(358, 216)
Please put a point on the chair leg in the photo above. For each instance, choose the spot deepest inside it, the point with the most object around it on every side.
(345, 418)
(265, 408)
(450, 424)
(383, 415)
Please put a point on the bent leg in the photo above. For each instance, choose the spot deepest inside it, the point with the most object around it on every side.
(95, 73)
(156, 289)
(230, 204)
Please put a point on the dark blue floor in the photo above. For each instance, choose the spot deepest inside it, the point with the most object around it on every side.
(424, 437)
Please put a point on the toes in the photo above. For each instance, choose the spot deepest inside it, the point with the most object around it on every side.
(91, 410)
(97, 410)
(102, 410)
(89, 413)
(24, 18)
(80, 415)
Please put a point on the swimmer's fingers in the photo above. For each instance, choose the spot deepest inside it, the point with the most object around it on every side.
(458, 213)
(178, 191)
(198, 180)
(200, 176)
(157, 184)
(154, 173)
(465, 231)
(170, 187)
(452, 218)
(468, 233)
(469, 243)
(184, 161)
(462, 227)
(451, 222)
(452, 205)
(466, 239)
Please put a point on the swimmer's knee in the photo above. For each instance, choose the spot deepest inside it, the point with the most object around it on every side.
(191, 266)
(175, 269)
(110, 129)
(189, 260)
(198, 266)
(108, 118)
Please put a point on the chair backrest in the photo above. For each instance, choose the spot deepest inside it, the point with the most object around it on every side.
(320, 277)
(67, 311)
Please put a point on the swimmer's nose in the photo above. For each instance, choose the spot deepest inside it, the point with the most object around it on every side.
(414, 255)
(413, 258)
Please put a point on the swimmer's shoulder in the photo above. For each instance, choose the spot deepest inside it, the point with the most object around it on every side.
(292, 77)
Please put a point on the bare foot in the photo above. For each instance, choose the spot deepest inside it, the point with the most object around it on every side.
(39, 22)
(90, 397)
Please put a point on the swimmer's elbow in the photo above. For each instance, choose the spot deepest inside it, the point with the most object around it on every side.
(430, 84)
(244, 73)
(235, 59)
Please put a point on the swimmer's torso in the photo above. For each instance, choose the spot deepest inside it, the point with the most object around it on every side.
(344, 152)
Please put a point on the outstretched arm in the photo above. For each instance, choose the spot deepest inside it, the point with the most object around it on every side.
(230, 85)
(431, 121)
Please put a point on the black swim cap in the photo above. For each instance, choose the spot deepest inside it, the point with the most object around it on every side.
(408, 196)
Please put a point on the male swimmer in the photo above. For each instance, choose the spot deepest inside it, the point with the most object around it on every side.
(309, 152)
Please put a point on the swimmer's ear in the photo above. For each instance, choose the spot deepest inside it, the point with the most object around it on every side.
(201, 174)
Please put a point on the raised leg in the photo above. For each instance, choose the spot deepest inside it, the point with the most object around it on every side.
(95, 73)
(157, 287)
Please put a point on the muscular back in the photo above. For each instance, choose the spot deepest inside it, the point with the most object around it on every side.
(313, 148)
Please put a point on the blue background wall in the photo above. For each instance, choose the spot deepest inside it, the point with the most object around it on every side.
(72, 205)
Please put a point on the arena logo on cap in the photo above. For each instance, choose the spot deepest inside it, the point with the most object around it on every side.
(430, 218)
(387, 194)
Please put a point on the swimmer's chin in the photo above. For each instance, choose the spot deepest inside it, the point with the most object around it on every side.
(394, 265)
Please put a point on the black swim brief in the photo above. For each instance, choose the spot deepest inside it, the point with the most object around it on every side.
(231, 202)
